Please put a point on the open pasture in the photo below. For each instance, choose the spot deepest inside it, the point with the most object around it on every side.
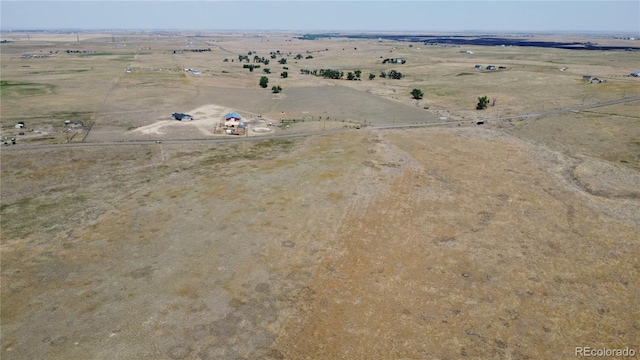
(52, 77)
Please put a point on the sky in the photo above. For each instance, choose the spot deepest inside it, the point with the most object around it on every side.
(419, 15)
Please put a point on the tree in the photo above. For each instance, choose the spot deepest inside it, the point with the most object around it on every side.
(282, 61)
(284, 74)
(350, 76)
(264, 81)
(276, 89)
(482, 103)
(357, 73)
(383, 74)
(371, 76)
(393, 74)
(266, 70)
(417, 94)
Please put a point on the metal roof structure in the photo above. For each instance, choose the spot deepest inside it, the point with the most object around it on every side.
(232, 116)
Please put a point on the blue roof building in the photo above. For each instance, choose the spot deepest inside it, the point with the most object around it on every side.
(231, 119)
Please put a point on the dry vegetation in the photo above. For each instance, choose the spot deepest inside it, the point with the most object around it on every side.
(516, 239)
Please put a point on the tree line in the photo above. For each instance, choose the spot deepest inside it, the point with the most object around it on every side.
(355, 75)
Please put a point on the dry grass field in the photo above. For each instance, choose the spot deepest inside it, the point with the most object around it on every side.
(517, 239)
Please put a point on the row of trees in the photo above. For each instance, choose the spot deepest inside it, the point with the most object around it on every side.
(392, 74)
(325, 73)
(250, 66)
(355, 75)
(256, 59)
(284, 74)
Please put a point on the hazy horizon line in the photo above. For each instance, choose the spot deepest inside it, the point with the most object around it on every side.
(317, 31)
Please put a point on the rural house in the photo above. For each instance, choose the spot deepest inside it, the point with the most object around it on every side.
(231, 120)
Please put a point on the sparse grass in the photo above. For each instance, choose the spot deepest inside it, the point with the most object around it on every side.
(71, 115)
(259, 150)
(44, 213)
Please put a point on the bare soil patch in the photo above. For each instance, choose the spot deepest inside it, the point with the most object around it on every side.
(205, 119)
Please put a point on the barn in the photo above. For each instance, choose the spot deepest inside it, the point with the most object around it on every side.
(232, 120)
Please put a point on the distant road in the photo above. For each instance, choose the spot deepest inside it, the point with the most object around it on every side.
(232, 139)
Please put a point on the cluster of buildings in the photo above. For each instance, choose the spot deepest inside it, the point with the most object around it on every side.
(489, 67)
(233, 123)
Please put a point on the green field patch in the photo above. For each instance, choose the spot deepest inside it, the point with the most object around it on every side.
(127, 57)
(21, 89)
(58, 72)
(98, 54)
(117, 56)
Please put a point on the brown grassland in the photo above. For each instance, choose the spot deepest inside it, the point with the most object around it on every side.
(516, 239)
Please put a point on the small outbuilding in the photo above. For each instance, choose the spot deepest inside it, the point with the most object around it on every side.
(635, 74)
(182, 117)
